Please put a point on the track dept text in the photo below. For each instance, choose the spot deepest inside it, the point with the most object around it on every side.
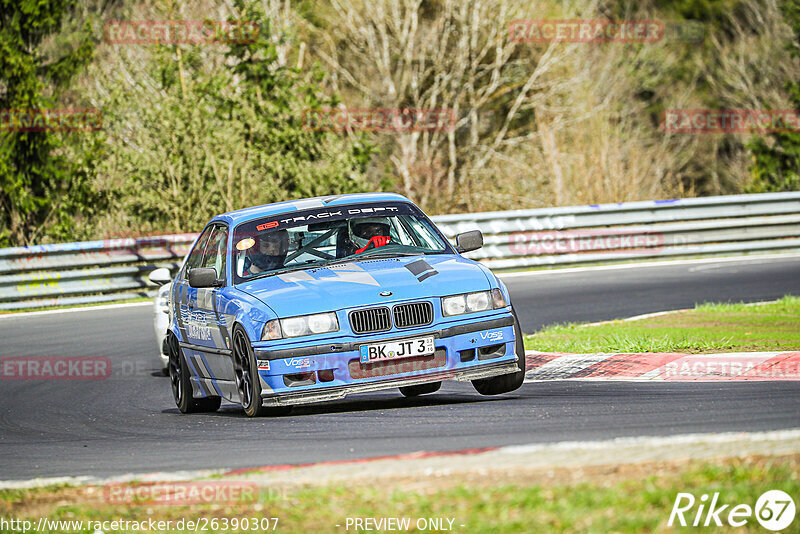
(339, 213)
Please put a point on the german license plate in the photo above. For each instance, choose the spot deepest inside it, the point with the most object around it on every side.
(393, 350)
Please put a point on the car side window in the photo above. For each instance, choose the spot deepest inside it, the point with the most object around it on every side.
(216, 250)
(195, 258)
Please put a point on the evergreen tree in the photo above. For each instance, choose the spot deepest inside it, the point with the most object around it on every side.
(209, 129)
(42, 188)
(776, 164)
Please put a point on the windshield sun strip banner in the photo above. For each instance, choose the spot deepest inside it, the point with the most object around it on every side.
(320, 215)
(288, 220)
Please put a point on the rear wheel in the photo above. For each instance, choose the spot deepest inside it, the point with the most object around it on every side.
(511, 381)
(245, 371)
(181, 384)
(421, 389)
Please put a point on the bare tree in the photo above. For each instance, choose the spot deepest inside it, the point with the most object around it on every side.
(393, 54)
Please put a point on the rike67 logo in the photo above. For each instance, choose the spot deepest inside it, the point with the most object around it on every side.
(774, 510)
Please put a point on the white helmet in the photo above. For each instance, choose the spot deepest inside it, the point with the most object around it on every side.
(362, 230)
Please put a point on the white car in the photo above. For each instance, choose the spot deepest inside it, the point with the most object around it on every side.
(161, 323)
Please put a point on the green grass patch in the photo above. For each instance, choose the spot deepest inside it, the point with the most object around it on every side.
(639, 498)
(728, 327)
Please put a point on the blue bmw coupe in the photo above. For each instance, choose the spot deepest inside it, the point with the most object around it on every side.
(311, 300)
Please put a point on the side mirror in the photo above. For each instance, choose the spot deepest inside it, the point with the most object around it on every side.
(160, 276)
(203, 277)
(472, 240)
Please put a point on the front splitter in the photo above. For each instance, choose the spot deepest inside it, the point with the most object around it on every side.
(338, 392)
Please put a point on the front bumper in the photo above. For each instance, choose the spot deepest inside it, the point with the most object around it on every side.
(317, 372)
(337, 392)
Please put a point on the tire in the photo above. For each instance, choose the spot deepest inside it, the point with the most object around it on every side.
(497, 385)
(421, 389)
(178, 373)
(245, 370)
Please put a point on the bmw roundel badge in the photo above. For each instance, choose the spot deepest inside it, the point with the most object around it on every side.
(386, 293)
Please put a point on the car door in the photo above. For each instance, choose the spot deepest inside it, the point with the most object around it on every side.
(204, 345)
(214, 336)
(184, 297)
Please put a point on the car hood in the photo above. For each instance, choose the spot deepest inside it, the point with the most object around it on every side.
(360, 283)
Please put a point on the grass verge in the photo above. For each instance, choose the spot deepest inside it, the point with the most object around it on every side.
(707, 328)
(626, 498)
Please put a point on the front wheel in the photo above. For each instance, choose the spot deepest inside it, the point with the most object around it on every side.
(245, 370)
(511, 381)
(181, 384)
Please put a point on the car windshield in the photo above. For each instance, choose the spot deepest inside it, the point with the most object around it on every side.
(324, 236)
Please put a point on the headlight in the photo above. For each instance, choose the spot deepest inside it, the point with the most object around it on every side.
(294, 326)
(478, 301)
(321, 323)
(454, 305)
(302, 325)
(473, 302)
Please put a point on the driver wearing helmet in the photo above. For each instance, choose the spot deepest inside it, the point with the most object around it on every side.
(368, 232)
(270, 254)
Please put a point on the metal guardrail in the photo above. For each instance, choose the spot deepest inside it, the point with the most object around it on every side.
(42, 276)
(97, 271)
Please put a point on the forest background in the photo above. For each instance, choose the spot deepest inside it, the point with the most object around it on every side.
(190, 130)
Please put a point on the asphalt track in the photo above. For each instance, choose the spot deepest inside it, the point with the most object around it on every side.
(129, 423)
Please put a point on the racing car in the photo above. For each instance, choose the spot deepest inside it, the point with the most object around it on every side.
(311, 300)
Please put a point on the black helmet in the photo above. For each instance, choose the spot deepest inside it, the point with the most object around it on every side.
(271, 250)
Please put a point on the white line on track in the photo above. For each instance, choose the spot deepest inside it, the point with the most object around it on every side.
(667, 312)
(666, 263)
(658, 441)
(642, 445)
(72, 310)
(643, 316)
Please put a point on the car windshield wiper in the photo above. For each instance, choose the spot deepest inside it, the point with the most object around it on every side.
(359, 257)
(286, 270)
(390, 254)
